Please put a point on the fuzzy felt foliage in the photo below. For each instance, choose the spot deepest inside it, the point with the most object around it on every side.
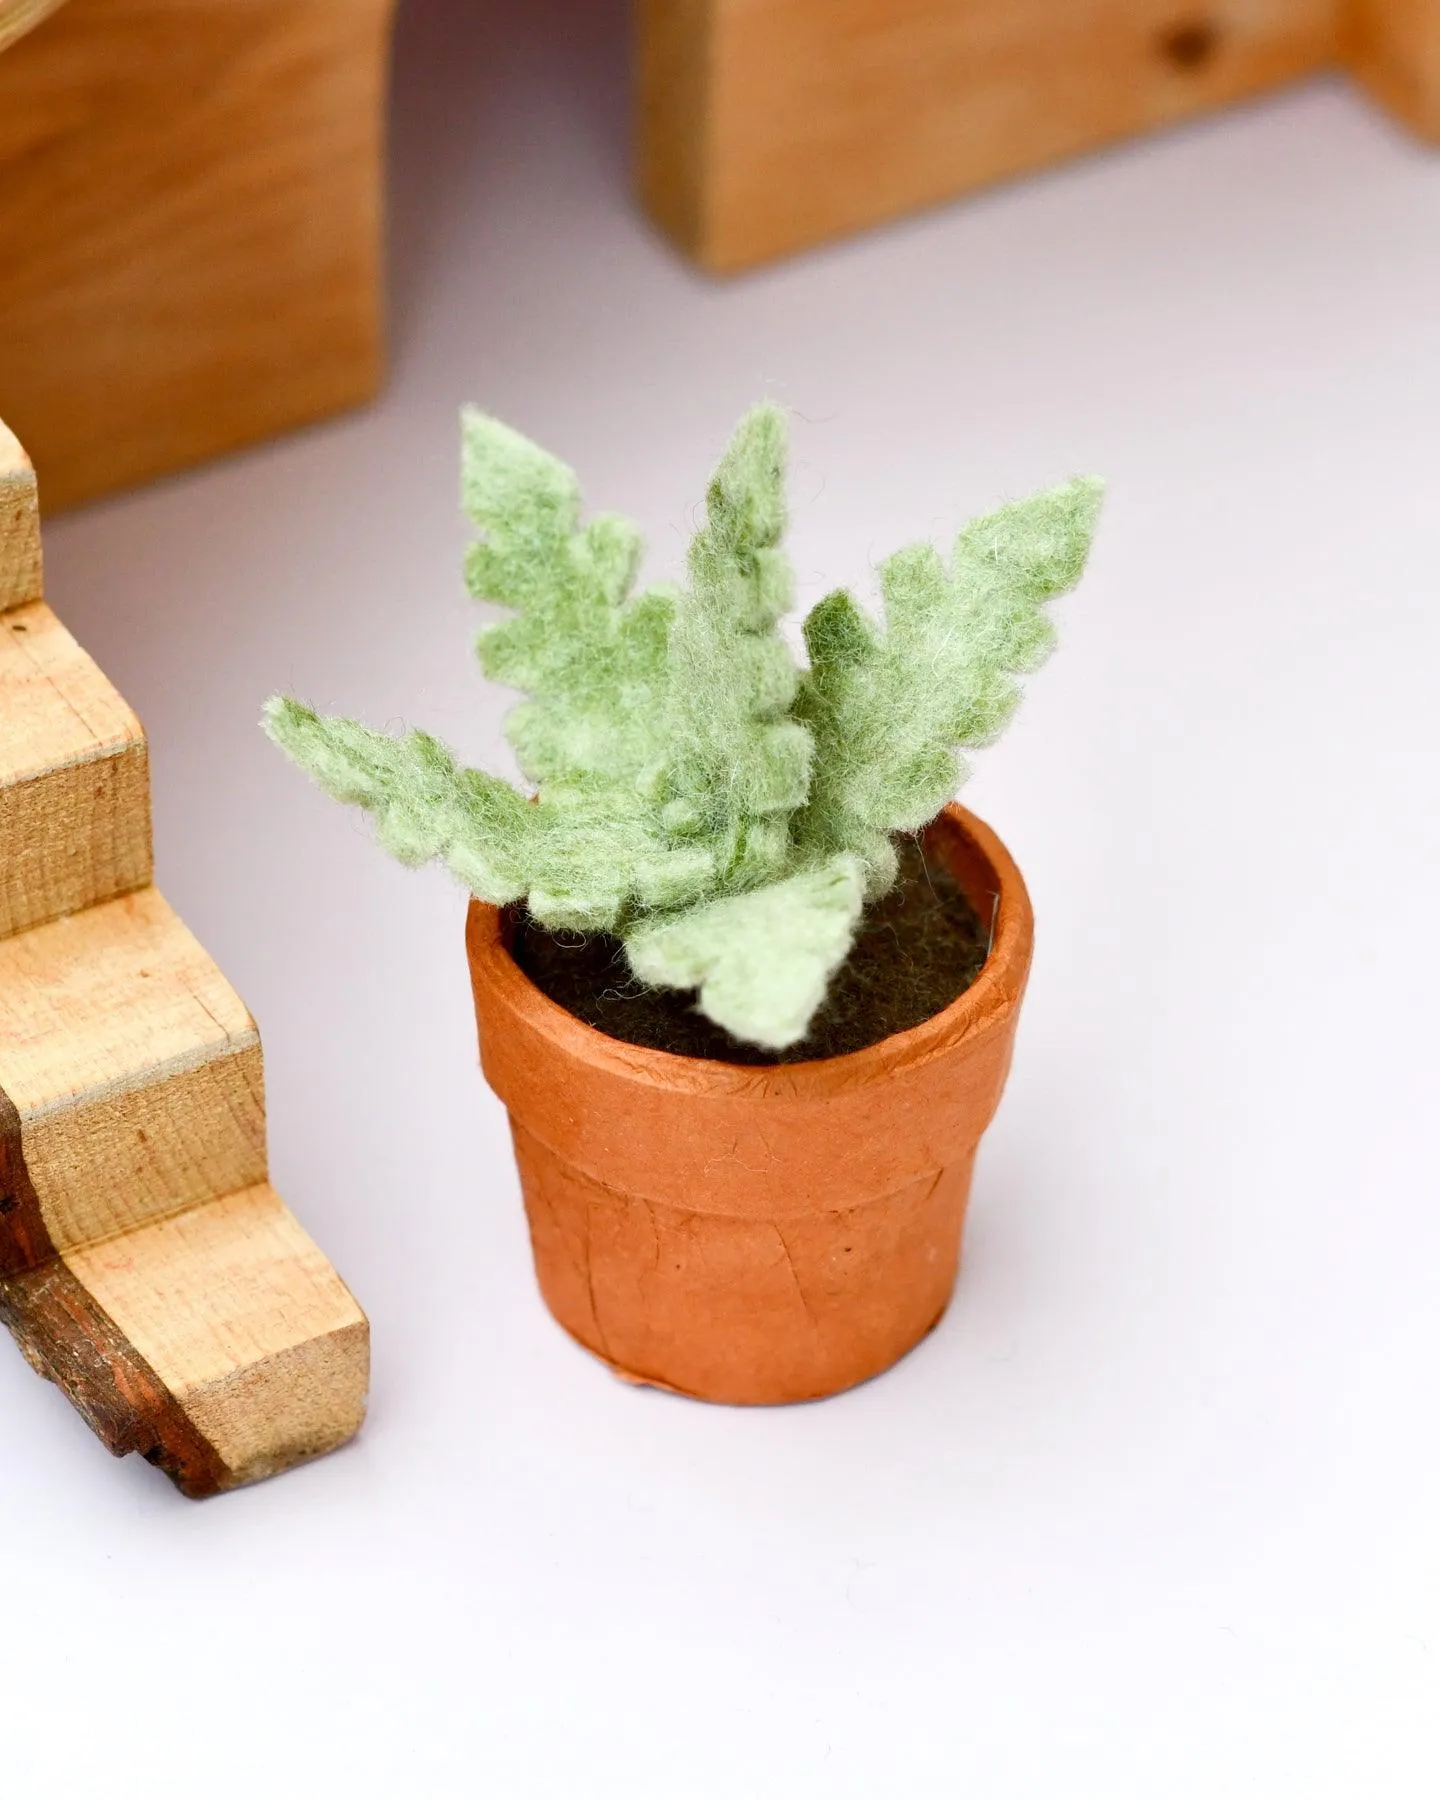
(722, 811)
(889, 710)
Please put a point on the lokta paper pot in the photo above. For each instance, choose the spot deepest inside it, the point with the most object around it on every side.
(754, 1235)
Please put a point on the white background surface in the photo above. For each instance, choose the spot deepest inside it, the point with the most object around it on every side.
(1154, 1513)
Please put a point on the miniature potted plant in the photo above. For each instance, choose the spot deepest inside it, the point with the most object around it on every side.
(745, 981)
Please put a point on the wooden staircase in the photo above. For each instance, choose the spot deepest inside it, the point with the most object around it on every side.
(146, 1265)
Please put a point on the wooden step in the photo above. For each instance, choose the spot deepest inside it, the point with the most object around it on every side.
(218, 1343)
(19, 524)
(132, 1074)
(74, 777)
(146, 1266)
(74, 772)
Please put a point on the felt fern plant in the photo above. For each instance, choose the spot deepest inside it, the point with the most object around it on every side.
(722, 811)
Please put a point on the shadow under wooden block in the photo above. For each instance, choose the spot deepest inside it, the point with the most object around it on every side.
(190, 228)
(145, 1265)
(768, 125)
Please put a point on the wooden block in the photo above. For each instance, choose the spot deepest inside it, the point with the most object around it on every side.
(133, 1067)
(19, 525)
(145, 1265)
(190, 210)
(74, 777)
(767, 125)
(1395, 50)
(219, 1343)
(19, 16)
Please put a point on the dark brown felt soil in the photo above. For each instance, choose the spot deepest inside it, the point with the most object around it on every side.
(919, 947)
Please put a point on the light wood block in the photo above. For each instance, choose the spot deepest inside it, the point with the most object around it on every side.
(19, 525)
(132, 1066)
(190, 218)
(768, 125)
(74, 777)
(245, 1351)
(145, 1265)
(19, 16)
(1395, 48)
(253, 1334)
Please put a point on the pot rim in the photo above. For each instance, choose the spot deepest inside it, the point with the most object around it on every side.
(989, 997)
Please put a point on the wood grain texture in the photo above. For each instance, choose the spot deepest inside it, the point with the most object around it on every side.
(1395, 50)
(68, 1339)
(771, 124)
(134, 1068)
(74, 777)
(251, 1330)
(146, 1266)
(20, 576)
(190, 214)
(24, 1241)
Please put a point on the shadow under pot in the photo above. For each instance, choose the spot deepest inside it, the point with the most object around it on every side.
(755, 1234)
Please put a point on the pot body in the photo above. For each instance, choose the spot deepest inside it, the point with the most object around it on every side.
(754, 1235)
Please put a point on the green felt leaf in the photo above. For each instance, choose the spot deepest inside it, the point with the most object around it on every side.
(423, 805)
(579, 862)
(762, 959)
(590, 652)
(737, 764)
(889, 709)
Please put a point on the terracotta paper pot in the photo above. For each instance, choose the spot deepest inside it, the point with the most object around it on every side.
(754, 1235)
